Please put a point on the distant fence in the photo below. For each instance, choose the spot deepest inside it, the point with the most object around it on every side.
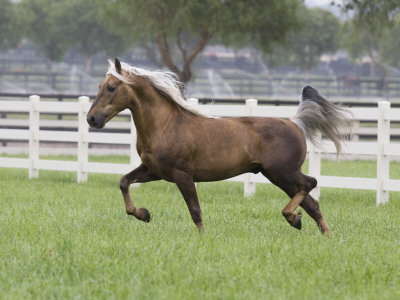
(241, 85)
(382, 149)
(53, 82)
(348, 86)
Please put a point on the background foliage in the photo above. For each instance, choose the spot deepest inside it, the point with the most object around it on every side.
(10, 25)
(173, 33)
(185, 27)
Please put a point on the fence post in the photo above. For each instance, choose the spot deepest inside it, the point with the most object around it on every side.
(193, 101)
(249, 185)
(382, 161)
(314, 168)
(356, 128)
(83, 145)
(34, 117)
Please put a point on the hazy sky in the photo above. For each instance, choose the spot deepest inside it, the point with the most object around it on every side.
(326, 4)
(322, 3)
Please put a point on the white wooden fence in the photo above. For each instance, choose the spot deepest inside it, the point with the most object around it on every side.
(382, 149)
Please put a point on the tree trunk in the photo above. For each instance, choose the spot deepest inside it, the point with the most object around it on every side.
(88, 63)
(185, 74)
(49, 72)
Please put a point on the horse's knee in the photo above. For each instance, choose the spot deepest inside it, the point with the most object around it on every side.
(309, 183)
(124, 184)
(314, 183)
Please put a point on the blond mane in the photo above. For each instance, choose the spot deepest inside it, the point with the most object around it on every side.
(163, 81)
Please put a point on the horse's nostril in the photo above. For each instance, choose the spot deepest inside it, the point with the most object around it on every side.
(95, 121)
(90, 120)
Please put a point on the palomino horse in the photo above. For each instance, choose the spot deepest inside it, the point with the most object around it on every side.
(179, 144)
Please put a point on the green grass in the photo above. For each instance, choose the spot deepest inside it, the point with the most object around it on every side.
(63, 240)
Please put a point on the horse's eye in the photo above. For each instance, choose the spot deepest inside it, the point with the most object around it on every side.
(110, 88)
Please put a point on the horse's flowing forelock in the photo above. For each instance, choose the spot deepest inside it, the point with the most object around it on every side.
(164, 81)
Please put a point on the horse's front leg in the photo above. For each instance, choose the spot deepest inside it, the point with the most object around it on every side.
(184, 181)
(140, 175)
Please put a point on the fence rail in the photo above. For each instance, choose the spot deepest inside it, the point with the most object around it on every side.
(382, 148)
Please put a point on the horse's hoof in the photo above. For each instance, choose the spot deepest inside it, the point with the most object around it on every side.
(297, 221)
(145, 215)
(327, 233)
(200, 227)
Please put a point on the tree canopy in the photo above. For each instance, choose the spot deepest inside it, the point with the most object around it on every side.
(390, 44)
(174, 32)
(88, 32)
(189, 25)
(58, 26)
(382, 48)
(373, 14)
(320, 34)
(10, 25)
(47, 25)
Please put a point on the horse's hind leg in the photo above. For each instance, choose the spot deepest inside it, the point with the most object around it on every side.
(311, 206)
(297, 186)
(139, 175)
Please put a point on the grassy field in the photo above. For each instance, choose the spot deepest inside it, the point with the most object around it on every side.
(63, 240)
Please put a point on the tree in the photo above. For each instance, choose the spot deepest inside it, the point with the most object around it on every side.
(89, 34)
(389, 45)
(371, 19)
(187, 26)
(359, 41)
(319, 35)
(382, 48)
(47, 25)
(10, 28)
(373, 14)
(57, 26)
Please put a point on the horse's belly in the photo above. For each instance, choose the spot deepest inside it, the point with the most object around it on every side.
(221, 169)
(207, 175)
(233, 155)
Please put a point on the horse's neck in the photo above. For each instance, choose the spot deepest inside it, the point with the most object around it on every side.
(152, 113)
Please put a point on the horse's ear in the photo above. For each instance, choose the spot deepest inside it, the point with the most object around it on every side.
(118, 66)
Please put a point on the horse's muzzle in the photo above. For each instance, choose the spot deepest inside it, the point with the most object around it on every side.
(95, 122)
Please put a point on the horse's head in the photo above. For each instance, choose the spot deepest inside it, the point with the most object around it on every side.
(113, 97)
